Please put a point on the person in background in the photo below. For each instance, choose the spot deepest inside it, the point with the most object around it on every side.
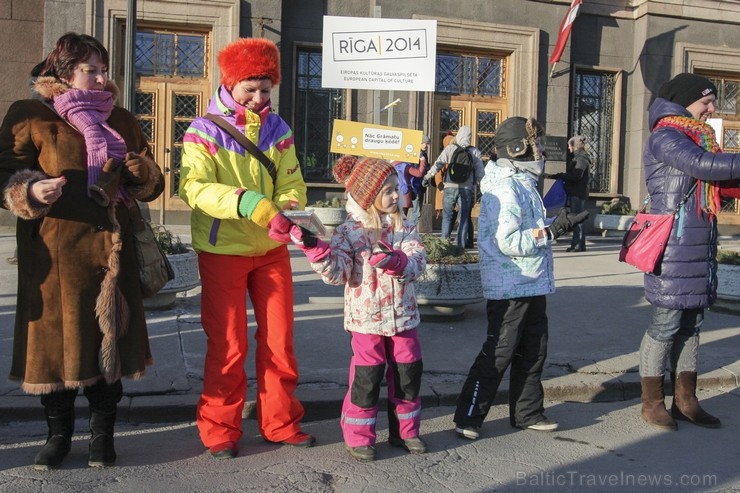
(377, 256)
(438, 181)
(72, 165)
(240, 239)
(576, 179)
(14, 259)
(409, 183)
(460, 194)
(418, 201)
(682, 159)
(517, 274)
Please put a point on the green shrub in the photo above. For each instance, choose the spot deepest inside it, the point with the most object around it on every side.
(169, 242)
(334, 202)
(441, 251)
(617, 207)
(729, 257)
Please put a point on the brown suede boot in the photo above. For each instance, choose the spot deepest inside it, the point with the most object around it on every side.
(654, 412)
(685, 404)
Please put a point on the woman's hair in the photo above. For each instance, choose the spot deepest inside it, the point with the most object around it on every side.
(578, 141)
(69, 50)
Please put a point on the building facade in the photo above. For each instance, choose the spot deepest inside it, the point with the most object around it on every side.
(492, 63)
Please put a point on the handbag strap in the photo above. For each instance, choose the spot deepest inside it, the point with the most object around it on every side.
(137, 219)
(244, 142)
(680, 212)
(686, 196)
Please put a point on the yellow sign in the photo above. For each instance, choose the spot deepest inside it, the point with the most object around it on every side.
(378, 141)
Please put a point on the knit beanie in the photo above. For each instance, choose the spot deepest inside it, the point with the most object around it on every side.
(685, 89)
(249, 58)
(515, 139)
(363, 177)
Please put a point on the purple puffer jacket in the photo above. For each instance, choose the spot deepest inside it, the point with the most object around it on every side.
(686, 277)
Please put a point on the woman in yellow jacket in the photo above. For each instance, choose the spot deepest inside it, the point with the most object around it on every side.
(240, 238)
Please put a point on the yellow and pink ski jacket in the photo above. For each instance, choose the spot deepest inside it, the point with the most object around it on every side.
(215, 171)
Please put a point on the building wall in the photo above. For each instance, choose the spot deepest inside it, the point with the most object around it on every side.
(302, 24)
(659, 54)
(21, 28)
(264, 19)
(645, 42)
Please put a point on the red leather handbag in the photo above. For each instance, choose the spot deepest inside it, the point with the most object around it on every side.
(645, 241)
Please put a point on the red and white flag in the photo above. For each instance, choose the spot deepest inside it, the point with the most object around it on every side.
(564, 32)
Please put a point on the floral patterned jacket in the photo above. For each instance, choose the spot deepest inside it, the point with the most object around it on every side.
(374, 301)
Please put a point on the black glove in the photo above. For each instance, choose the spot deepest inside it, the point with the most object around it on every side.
(564, 222)
(309, 239)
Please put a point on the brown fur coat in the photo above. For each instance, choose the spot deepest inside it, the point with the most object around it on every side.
(80, 315)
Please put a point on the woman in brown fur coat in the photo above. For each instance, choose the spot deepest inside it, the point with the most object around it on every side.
(71, 166)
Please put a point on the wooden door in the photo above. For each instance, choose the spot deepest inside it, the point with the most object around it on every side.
(165, 110)
(482, 116)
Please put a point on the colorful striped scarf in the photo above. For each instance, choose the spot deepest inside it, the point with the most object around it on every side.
(707, 192)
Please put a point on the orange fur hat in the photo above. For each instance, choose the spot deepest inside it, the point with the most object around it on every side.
(249, 58)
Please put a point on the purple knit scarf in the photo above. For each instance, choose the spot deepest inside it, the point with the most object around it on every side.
(88, 111)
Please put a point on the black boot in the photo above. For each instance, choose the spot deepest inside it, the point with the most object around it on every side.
(102, 453)
(58, 443)
(103, 399)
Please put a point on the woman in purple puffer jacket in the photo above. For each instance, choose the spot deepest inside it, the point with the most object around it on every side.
(682, 160)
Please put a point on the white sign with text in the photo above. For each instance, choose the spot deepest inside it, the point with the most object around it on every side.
(376, 53)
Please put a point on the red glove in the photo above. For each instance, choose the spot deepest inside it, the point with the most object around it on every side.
(389, 260)
(729, 189)
(279, 228)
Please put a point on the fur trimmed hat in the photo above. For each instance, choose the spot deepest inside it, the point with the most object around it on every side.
(363, 177)
(686, 88)
(515, 139)
(249, 58)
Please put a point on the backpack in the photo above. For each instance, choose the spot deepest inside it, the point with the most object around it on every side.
(403, 186)
(461, 165)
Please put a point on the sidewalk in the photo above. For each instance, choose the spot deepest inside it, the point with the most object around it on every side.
(597, 318)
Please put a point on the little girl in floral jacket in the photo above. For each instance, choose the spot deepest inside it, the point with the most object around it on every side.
(376, 256)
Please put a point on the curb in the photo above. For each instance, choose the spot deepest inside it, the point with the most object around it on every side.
(326, 404)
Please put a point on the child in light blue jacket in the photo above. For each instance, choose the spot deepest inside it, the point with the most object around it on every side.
(517, 274)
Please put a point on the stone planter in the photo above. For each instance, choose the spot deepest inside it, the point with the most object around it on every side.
(444, 290)
(330, 217)
(728, 288)
(612, 225)
(186, 278)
